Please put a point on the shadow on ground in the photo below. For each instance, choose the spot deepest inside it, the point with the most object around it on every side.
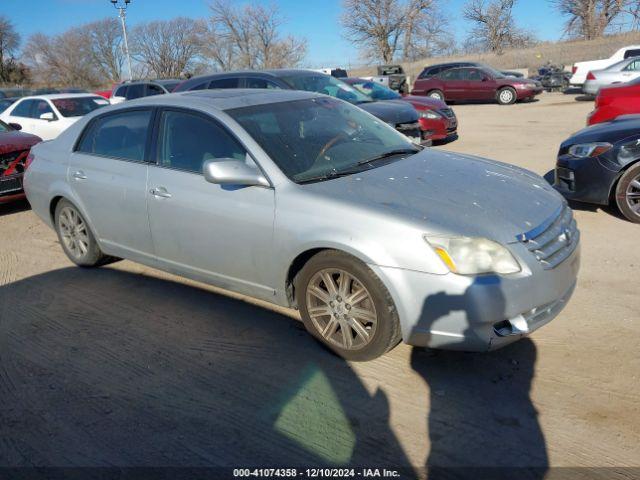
(14, 207)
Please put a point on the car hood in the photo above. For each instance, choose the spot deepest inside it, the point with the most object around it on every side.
(15, 140)
(425, 102)
(613, 131)
(450, 194)
(391, 111)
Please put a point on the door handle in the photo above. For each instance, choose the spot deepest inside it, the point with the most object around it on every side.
(79, 175)
(160, 192)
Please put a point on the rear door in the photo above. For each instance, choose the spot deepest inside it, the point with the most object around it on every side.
(215, 233)
(108, 174)
(454, 84)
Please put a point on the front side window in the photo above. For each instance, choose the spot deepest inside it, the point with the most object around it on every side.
(23, 109)
(376, 91)
(154, 90)
(121, 135)
(474, 75)
(326, 85)
(188, 140)
(121, 92)
(4, 127)
(41, 107)
(252, 82)
(320, 138)
(79, 106)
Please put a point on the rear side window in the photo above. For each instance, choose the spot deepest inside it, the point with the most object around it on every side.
(633, 66)
(225, 83)
(121, 92)
(23, 109)
(453, 74)
(154, 90)
(632, 53)
(188, 140)
(259, 83)
(135, 91)
(121, 135)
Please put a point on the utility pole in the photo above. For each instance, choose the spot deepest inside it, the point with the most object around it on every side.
(121, 6)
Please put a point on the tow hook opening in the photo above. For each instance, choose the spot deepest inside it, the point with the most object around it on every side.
(514, 326)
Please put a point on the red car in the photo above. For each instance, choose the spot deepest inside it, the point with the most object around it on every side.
(611, 102)
(438, 122)
(476, 84)
(14, 148)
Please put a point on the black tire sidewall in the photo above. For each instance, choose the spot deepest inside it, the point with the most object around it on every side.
(94, 255)
(621, 193)
(387, 333)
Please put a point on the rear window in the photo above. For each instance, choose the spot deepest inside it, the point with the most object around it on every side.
(120, 135)
(632, 53)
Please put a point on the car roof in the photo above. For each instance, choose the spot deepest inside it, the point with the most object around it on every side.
(59, 96)
(222, 99)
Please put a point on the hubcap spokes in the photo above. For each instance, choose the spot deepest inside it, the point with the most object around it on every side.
(73, 231)
(341, 309)
(633, 195)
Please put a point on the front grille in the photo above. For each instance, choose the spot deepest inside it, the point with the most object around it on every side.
(554, 240)
(10, 185)
(447, 112)
(8, 159)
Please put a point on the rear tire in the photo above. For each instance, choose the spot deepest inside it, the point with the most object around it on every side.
(628, 194)
(76, 238)
(346, 306)
(506, 96)
(437, 94)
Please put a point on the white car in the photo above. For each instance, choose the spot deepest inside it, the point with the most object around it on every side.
(582, 69)
(48, 115)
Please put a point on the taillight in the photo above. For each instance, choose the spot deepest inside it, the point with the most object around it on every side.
(574, 70)
(29, 160)
(591, 76)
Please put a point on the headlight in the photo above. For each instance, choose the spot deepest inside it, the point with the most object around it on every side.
(586, 150)
(629, 151)
(473, 256)
(430, 115)
(525, 85)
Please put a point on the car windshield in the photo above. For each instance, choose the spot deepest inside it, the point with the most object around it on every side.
(376, 91)
(327, 85)
(321, 138)
(78, 106)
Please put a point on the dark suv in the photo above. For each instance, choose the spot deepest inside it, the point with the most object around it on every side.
(398, 114)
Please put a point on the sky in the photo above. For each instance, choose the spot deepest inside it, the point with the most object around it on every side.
(317, 20)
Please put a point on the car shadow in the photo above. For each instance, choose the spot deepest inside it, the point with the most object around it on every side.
(14, 207)
(585, 98)
(482, 422)
(102, 367)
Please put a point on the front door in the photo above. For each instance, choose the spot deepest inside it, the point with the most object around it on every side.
(218, 234)
(480, 85)
(108, 173)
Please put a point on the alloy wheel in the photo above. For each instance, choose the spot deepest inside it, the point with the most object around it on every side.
(341, 309)
(633, 195)
(506, 96)
(73, 231)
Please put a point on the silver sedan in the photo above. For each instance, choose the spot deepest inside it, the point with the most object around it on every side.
(621, 72)
(306, 201)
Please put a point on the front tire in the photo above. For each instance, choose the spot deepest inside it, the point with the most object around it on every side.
(628, 194)
(506, 96)
(346, 306)
(437, 94)
(75, 236)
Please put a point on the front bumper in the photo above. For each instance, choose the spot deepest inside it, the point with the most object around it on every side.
(479, 313)
(584, 179)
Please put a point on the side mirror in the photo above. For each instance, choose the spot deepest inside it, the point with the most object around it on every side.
(229, 171)
(15, 126)
(48, 116)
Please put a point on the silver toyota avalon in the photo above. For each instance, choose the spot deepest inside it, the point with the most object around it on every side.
(306, 201)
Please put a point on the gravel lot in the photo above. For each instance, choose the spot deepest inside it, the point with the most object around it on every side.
(126, 365)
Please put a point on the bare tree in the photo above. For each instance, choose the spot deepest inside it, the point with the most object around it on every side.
(589, 19)
(9, 42)
(249, 37)
(495, 28)
(426, 31)
(168, 48)
(104, 39)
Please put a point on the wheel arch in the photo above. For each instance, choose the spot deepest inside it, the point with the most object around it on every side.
(614, 184)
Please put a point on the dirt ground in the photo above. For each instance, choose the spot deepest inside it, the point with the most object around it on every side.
(128, 366)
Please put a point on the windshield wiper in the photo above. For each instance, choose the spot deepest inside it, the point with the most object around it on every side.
(391, 153)
(329, 176)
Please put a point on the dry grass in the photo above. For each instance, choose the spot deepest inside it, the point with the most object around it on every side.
(565, 53)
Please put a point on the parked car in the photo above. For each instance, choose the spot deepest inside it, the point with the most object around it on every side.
(144, 88)
(621, 72)
(306, 201)
(616, 100)
(48, 115)
(438, 122)
(391, 76)
(334, 72)
(476, 84)
(432, 70)
(14, 148)
(402, 116)
(601, 165)
(580, 70)
(6, 103)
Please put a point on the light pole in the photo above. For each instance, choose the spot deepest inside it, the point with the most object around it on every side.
(121, 6)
